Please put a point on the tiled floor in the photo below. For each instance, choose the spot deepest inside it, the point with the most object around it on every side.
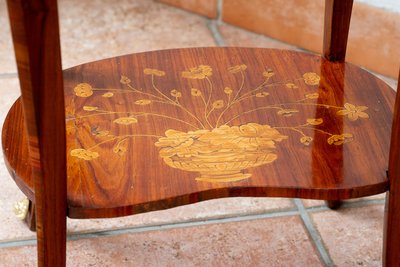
(225, 232)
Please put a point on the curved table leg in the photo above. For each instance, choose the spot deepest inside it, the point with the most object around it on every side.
(334, 204)
(30, 218)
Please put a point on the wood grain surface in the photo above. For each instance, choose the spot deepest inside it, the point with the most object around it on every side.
(138, 125)
(35, 32)
(336, 28)
(391, 244)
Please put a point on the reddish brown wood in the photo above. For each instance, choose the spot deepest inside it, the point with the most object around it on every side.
(34, 26)
(336, 28)
(334, 204)
(339, 99)
(30, 218)
(319, 171)
(108, 174)
(391, 244)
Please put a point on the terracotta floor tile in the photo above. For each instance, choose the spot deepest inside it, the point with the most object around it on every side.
(7, 61)
(268, 242)
(353, 237)
(206, 8)
(111, 29)
(294, 25)
(220, 208)
(234, 36)
(308, 203)
(11, 227)
(9, 92)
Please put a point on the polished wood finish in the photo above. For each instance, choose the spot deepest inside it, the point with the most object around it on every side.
(35, 32)
(391, 249)
(336, 28)
(94, 185)
(334, 204)
(161, 129)
(30, 218)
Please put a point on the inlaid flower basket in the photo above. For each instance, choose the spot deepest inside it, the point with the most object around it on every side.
(222, 154)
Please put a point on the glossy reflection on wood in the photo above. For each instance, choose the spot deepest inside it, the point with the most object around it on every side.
(35, 32)
(391, 244)
(216, 122)
(160, 129)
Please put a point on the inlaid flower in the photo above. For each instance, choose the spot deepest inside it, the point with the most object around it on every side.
(108, 94)
(311, 78)
(339, 139)
(176, 93)
(218, 104)
(154, 72)
(83, 90)
(126, 120)
(95, 130)
(287, 112)
(262, 94)
(100, 133)
(237, 68)
(291, 86)
(250, 137)
(224, 139)
(228, 90)
(143, 102)
(200, 72)
(195, 92)
(312, 96)
(268, 73)
(175, 138)
(306, 140)
(315, 121)
(353, 112)
(90, 108)
(120, 148)
(124, 80)
(84, 154)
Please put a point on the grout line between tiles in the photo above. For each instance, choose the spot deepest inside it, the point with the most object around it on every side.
(18, 243)
(238, 218)
(213, 27)
(316, 238)
(129, 230)
(360, 203)
(8, 75)
(182, 225)
(219, 10)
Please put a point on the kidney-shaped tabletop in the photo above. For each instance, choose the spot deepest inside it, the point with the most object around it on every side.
(165, 128)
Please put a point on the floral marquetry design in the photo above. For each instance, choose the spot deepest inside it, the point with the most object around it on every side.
(200, 72)
(354, 112)
(237, 68)
(340, 139)
(222, 153)
(154, 72)
(83, 90)
(311, 78)
(84, 154)
(221, 143)
(126, 120)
